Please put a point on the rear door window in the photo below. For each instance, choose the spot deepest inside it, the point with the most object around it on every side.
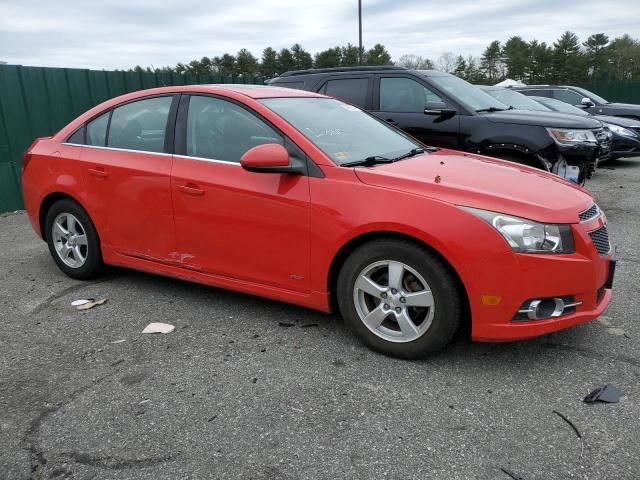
(140, 125)
(352, 90)
(537, 93)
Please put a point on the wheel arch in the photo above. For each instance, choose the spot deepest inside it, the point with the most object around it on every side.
(47, 203)
(529, 157)
(355, 242)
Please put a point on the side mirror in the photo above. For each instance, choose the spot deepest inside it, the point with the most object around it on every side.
(439, 108)
(270, 158)
(586, 103)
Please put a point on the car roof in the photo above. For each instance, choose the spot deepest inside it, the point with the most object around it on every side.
(231, 91)
(253, 91)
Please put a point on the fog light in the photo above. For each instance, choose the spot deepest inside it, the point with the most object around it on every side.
(544, 308)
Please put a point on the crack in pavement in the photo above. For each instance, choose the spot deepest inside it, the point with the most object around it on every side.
(30, 439)
(116, 463)
(593, 354)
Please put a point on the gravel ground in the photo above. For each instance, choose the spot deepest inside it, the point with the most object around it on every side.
(234, 394)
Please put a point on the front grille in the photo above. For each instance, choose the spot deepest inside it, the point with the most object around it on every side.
(592, 212)
(600, 238)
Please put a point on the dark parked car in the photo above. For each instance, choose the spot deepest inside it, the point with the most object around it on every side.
(625, 131)
(522, 102)
(582, 98)
(443, 110)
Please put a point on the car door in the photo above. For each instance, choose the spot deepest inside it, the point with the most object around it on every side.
(229, 221)
(401, 101)
(128, 171)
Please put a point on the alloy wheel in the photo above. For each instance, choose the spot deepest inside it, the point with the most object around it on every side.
(394, 301)
(70, 240)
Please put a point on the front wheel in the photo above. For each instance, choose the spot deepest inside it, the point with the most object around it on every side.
(399, 298)
(73, 240)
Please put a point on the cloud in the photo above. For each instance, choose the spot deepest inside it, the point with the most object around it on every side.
(122, 33)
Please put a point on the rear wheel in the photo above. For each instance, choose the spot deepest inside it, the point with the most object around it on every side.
(73, 240)
(399, 298)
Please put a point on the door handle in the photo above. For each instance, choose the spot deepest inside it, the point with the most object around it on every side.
(98, 172)
(191, 189)
(392, 122)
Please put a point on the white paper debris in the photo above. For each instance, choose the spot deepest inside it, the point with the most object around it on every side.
(87, 306)
(82, 301)
(157, 327)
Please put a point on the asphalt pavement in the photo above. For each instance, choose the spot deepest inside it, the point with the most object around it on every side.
(247, 388)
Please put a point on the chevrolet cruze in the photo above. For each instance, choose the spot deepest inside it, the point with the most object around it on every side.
(302, 198)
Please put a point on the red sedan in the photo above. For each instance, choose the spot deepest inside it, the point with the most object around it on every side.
(302, 198)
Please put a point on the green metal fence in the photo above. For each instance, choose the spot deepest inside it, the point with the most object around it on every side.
(37, 102)
(618, 91)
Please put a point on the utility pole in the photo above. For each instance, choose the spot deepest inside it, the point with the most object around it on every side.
(360, 32)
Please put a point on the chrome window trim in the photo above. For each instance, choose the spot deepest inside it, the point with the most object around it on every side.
(146, 152)
(213, 160)
(203, 159)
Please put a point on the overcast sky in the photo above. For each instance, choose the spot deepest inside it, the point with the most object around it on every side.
(125, 33)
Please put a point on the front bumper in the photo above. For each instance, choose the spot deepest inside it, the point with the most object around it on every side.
(580, 153)
(515, 278)
(625, 146)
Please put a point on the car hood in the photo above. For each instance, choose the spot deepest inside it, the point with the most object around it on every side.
(483, 182)
(622, 121)
(623, 106)
(543, 119)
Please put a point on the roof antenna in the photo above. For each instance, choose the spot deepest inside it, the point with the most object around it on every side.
(159, 79)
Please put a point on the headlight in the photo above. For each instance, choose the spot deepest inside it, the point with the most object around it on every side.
(527, 236)
(565, 136)
(619, 130)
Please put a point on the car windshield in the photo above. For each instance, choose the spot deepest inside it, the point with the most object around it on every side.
(560, 106)
(516, 100)
(344, 132)
(591, 95)
(467, 94)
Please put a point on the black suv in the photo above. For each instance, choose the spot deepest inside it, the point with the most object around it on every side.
(582, 98)
(443, 110)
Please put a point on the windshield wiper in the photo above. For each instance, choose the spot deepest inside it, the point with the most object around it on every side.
(412, 153)
(378, 159)
(490, 109)
(367, 162)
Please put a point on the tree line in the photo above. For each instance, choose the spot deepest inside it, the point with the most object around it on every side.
(567, 60)
(275, 62)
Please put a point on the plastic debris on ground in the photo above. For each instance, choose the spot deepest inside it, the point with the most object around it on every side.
(157, 327)
(606, 394)
(87, 306)
(575, 429)
(82, 301)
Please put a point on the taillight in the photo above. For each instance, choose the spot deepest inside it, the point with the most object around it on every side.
(26, 158)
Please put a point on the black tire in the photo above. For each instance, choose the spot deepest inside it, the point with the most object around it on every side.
(447, 297)
(93, 264)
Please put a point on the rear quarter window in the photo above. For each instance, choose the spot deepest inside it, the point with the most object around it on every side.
(352, 90)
